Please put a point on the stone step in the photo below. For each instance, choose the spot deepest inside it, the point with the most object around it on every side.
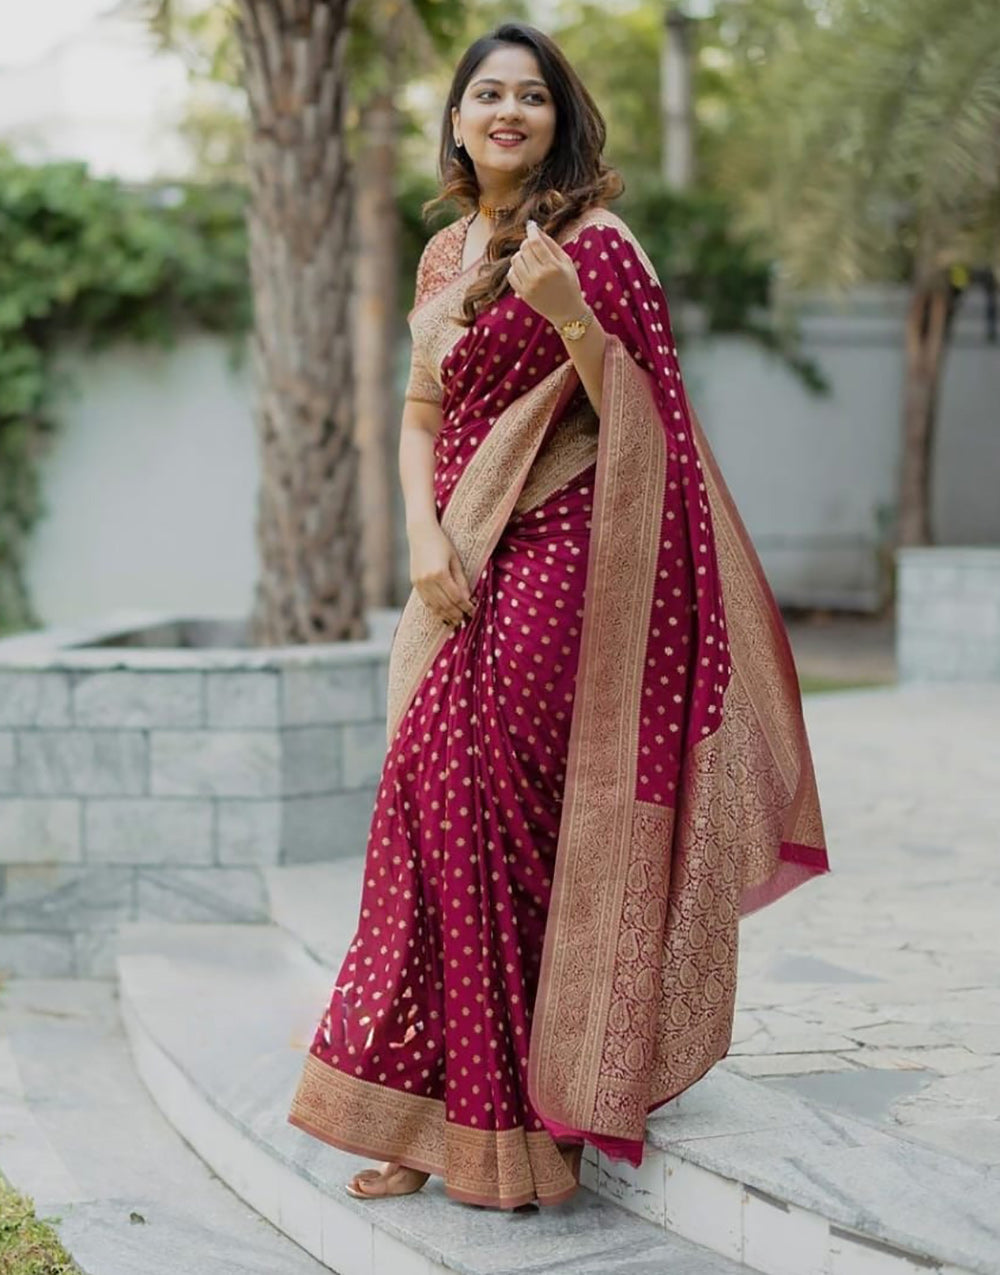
(80, 1135)
(759, 1175)
(219, 1017)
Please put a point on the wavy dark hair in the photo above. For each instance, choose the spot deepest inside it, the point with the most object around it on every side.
(570, 179)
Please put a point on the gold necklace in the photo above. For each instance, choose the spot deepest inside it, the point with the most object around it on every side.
(495, 213)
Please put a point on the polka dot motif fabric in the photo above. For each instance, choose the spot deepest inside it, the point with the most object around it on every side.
(433, 1003)
(435, 993)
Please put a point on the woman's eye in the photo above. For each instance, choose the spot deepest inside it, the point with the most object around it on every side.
(491, 92)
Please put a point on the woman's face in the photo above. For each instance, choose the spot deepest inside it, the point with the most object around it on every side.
(505, 94)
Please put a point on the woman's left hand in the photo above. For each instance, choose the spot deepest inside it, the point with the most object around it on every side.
(543, 274)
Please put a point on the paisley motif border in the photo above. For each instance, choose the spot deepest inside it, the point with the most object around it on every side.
(597, 846)
(762, 655)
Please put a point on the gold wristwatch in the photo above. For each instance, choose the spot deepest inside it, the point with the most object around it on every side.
(573, 329)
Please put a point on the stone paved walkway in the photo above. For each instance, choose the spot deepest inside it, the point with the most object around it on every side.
(876, 989)
(82, 1137)
(843, 646)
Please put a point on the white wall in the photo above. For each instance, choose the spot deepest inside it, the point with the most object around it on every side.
(150, 487)
(812, 475)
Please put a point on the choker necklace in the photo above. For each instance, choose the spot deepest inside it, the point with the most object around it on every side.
(495, 213)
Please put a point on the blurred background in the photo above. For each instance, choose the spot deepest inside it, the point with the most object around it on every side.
(816, 182)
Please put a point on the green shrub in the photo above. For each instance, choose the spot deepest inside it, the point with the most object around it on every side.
(28, 1246)
(97, 260)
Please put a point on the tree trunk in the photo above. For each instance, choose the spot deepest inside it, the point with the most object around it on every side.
(927, 324)
(300, 226)
(677, 100)
(375, 342)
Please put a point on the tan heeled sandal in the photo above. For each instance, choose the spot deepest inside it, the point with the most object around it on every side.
(393, 1179)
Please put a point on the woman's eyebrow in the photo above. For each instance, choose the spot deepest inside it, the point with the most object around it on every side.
(492, 80)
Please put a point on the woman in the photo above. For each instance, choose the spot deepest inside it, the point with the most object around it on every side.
(596, 756)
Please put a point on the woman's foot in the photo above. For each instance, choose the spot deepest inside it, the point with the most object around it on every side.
(391, 1179)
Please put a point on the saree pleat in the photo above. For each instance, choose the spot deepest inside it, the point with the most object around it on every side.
(585, 786)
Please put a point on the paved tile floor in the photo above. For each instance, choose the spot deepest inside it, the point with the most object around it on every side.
(81, 1136)
(843, 646)
(876, 989)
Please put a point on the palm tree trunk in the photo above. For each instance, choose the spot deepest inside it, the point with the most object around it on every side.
(375, 332)
(927, 324)
(300, 226)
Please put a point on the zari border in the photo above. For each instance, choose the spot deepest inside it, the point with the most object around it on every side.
(474, 519)
(762, 657)
(598, 847)
(571, 450)
(731, 796)
(494, 1167)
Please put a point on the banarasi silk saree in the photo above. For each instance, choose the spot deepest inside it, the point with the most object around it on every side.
(586, 785)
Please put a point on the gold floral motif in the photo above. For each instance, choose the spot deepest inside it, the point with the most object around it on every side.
(731, 793)
(634, 1014)
(597, 826)
(441, 286)
(761, 655)
(433, 327)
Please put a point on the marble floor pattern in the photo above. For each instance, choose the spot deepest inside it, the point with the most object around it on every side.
(875, 990)
(146, 1204)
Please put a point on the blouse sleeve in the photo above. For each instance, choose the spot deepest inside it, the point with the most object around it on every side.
(422, 386)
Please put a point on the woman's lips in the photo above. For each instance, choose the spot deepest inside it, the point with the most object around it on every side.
(502, 141)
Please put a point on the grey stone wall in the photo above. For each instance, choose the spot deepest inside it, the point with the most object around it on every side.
(139, 783)
(948, 614)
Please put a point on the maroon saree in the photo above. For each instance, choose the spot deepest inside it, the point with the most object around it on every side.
(587, 785)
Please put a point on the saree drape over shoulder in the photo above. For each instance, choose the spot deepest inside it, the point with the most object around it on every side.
(588, 784)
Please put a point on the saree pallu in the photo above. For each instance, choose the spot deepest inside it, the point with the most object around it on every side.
(586, 785)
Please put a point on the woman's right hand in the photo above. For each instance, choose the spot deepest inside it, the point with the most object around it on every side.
(437, 575)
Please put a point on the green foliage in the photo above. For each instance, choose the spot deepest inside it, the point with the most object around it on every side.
(864, 138)
(97, 261)
(617, 56)
(701, 257)
(28, 1246)
(688, 237)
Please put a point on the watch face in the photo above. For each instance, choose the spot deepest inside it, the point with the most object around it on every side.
(574, 329)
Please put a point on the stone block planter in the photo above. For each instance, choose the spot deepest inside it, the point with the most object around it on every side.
(948, 614)
(151, 766)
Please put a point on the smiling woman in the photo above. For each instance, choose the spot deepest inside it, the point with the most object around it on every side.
(506, 109)
(596, 759)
